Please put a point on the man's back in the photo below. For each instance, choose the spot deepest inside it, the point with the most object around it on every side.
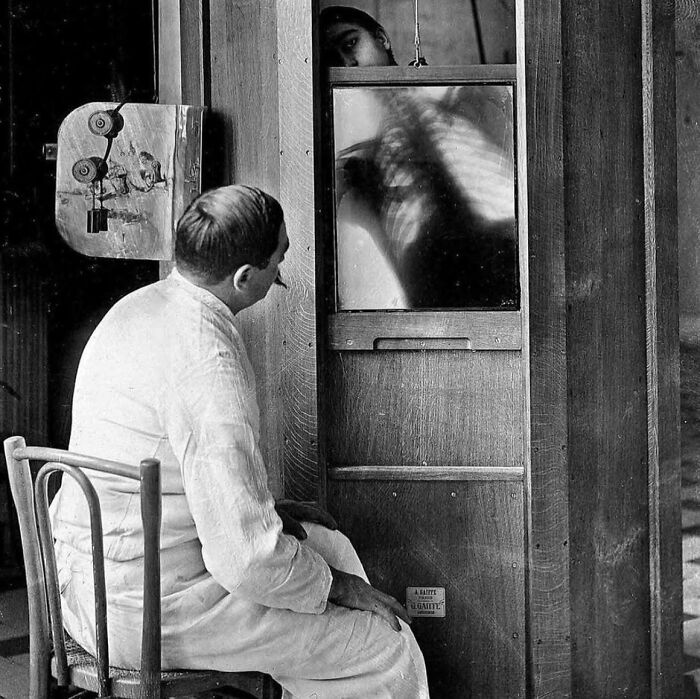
(139, 358)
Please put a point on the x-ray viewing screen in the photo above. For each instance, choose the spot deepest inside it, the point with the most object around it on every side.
(425, 210)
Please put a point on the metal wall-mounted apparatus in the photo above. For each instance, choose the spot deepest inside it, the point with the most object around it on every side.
(124, 174)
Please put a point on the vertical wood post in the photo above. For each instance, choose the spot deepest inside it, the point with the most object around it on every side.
(603, 349)
(663, 362)
(257, 82)
(182, 57)
(540, 54)
(296, 129)
(182, 51)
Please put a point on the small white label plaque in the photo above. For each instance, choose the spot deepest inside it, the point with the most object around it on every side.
(425, 601)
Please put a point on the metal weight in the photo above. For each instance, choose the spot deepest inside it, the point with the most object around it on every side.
(97, 220)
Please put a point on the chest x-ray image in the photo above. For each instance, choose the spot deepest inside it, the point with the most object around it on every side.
(425, 213)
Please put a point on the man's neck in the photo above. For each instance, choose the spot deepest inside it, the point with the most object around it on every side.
(223, 290)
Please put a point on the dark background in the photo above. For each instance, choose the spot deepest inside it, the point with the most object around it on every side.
(55, 57)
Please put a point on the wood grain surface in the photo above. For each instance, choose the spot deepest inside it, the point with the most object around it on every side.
(610, 320)
(540, 54)
(425, 473)
(297, 191)
(467, 538)
(663, 362)
(435, 408)
(177, 47)
(478, 330)
(381, 75)
(258, 85)
(244, 105)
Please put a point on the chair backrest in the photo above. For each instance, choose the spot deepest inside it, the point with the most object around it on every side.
(45, 620)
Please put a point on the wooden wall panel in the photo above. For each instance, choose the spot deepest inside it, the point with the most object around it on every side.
(183, 52)
(603, 349)
(621, 352)
(539, 65)
(244, 111)
(297, 152)
(258, 84)
(663, 363)
(445, 408)
(606, 353)
(244, 89)
(467, 538)
(261, 87)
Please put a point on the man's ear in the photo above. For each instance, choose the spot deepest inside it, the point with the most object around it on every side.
(383, 38)
(242, 276)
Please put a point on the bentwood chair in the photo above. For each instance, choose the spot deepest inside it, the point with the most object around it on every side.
(52, 651)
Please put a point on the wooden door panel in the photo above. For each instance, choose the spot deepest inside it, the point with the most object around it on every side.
(467, 537)
(443, 408)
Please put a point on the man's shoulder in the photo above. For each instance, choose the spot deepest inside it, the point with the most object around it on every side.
(172, 322)
(136, 317)
(140, 295)
(148, 303)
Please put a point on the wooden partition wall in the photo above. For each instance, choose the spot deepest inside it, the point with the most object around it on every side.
(590, 600)
(605, 546)
(251, 63)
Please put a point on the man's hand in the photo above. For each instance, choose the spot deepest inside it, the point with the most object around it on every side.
(348, 590)
(292, 513)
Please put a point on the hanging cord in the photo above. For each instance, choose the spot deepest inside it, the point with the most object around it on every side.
(111, 138)
(419, 60)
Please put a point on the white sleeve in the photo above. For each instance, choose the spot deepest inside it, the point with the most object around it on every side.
(243, 547)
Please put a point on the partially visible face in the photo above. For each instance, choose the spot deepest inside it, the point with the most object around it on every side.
(352, 45)
(265, 277)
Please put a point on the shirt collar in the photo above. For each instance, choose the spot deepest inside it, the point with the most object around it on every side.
(202, 295)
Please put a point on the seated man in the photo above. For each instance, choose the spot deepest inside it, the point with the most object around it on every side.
(166, 375)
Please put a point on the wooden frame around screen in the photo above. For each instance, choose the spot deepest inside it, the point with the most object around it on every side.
(434, 329)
